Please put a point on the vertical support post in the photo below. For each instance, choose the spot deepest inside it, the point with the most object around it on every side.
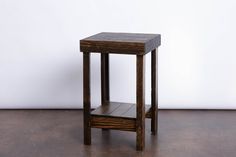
(154, 91)
(105, 91)
(140, 99)
(86, 95)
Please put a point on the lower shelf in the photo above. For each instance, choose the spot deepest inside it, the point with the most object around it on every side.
(120, 110)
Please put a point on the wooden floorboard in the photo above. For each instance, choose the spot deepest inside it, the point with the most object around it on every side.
(59, 133)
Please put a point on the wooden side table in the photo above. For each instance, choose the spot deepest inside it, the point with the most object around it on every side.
(117, 115)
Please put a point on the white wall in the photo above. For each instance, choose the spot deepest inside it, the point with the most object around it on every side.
(41, 66)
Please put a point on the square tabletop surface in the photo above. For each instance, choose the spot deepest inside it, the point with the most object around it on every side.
(122, 43)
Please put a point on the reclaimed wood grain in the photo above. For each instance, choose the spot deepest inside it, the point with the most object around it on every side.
(122, 43)
(117, 115)
(105, 109)
(113, 123)
(120, 109)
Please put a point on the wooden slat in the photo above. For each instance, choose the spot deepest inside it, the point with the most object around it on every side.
(132, 112)
(106, 109)
(113, 123)
(119, 109)
(123, 108)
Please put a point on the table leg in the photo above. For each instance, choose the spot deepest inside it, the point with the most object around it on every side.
(140, 98)
(105, 95)
(86, 94)
(105, 92)
(154, 91)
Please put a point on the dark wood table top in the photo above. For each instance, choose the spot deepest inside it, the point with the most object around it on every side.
(122, 43)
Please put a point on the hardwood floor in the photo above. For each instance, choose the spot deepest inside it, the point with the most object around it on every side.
(59, 133)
